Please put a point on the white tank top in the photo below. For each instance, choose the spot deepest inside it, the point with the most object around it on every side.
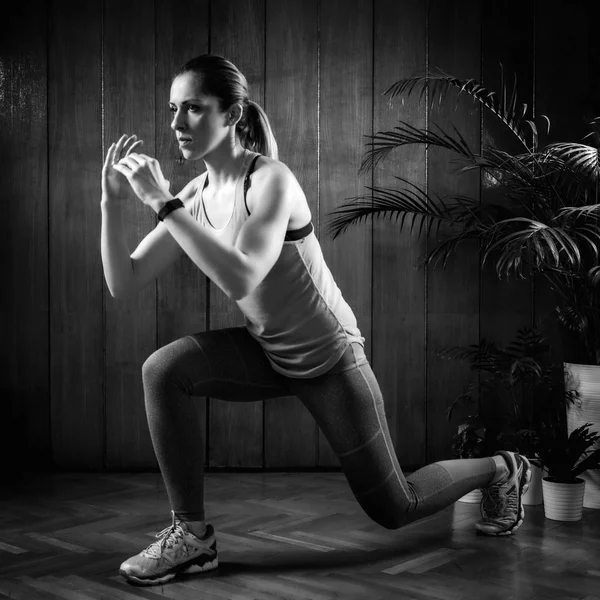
(297, 313)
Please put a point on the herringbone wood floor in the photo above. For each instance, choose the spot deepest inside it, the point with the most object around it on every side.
(293, 536)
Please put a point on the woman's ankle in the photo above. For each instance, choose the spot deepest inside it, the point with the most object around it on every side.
(198, 528)
(502, 469)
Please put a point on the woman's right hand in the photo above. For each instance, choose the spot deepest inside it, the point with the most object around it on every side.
(114, 185)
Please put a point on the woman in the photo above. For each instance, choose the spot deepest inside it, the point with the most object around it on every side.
(247, 225)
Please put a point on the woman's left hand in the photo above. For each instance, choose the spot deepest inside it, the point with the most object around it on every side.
(145, 177)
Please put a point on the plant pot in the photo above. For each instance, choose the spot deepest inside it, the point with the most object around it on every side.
(534, 495)
(473, 497)
(585, 409)
(563, 501)
(591, 497)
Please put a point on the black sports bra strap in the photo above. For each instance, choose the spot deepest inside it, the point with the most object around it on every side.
(247, 179)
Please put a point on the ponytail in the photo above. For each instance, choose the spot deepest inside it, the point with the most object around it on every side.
(255, 131)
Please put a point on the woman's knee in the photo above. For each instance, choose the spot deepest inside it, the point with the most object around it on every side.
(389, 502)
(391, 515)
(169, 366)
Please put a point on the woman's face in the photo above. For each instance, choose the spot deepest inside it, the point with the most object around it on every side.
(198, 122)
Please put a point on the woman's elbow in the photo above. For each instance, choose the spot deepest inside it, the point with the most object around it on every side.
(236, 294)
(240, 290)
(120, 292)
(116, 293)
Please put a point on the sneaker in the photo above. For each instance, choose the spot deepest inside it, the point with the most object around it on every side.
(501, 506)
(177, 551)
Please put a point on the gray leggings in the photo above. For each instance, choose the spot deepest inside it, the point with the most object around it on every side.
(346, 403)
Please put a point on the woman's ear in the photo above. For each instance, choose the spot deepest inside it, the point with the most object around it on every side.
(234, 114)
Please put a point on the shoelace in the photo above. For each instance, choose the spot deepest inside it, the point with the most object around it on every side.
(493, 508)
(167, 538)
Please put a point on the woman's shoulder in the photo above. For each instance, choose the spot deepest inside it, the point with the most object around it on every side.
(271, 173)
(267, 170)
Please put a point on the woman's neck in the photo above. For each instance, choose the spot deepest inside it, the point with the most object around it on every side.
(224, 166)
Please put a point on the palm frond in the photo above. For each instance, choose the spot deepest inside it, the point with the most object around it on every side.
(520, 178)
(594, 134)
(575, 212)
(441, 253)
(507, 367)
(529, 341)
(467, 397)
(404, 134)
(571, 318)
(504, 106)
(591, 461)
(388, 203)
(544, 245)
(579, 157)
(410, 204)
(486, 356)
(524, 366)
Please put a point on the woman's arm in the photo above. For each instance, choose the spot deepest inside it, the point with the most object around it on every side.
(236, 270)
(116, 263)
(127, 273)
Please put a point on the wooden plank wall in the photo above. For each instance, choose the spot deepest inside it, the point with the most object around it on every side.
(292, 32)
(24, 239)
(452, 293)
(346, 80)
(567, 87)
(77, 375)
(236, 429)
(505, 305)
(399, 310)
(75, 76)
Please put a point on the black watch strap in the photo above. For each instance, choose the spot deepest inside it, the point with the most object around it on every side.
(169, 207)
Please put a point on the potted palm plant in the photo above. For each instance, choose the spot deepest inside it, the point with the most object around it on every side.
(544, 225)
(566, 456)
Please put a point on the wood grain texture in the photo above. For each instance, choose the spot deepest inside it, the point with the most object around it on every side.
(181, 34)
(507, 47)
(507, 44)
(291, 103)
(76, 286)
(398, 281)
(346, 115)
(25, 425)
(567, 90)
(129, 107)
(281, 536)
(236, 429)
(453, 292)
(142, 43)
(568, 93)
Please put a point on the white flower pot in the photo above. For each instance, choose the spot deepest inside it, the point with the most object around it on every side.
(534, 495)
(563, 501)
(473, 497)
(586, 409)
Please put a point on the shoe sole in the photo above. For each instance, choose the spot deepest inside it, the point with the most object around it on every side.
(524, 486)
(187, 569)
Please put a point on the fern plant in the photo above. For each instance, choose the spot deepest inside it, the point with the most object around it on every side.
(470, 440)
(517, 385)
(546, 223)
